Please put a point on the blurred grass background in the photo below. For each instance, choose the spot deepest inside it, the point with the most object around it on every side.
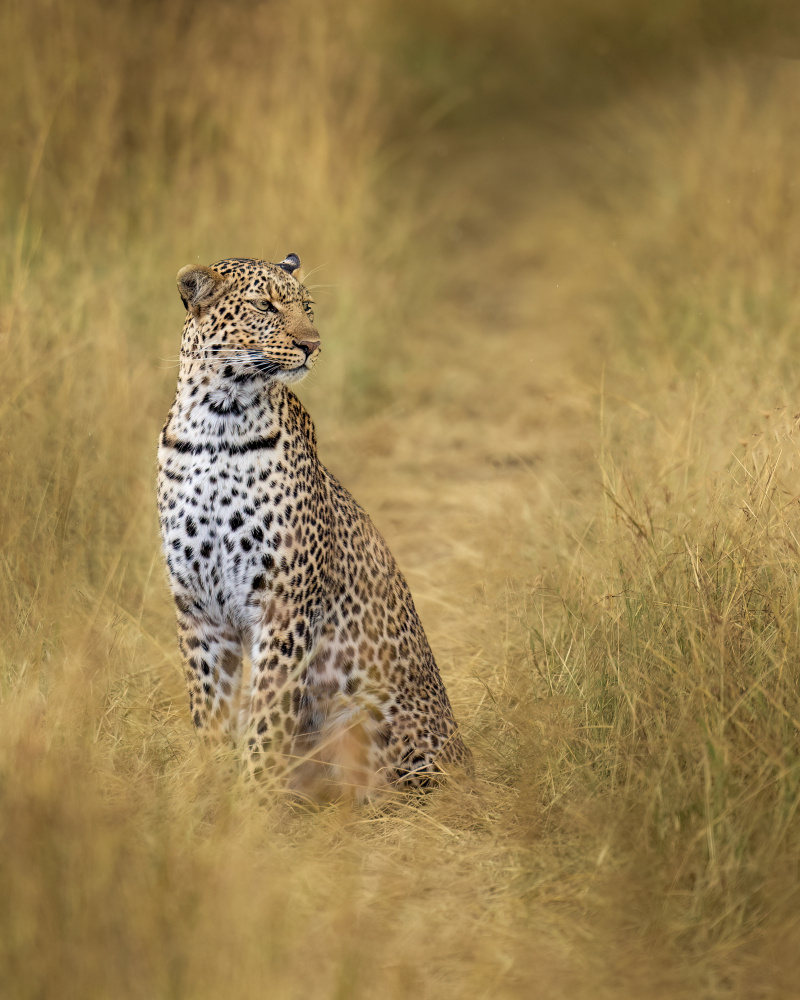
(555, 250)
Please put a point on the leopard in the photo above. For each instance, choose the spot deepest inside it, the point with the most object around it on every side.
(299, 638)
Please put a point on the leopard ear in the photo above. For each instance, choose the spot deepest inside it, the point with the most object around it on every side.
(291, 263)
(198, 286)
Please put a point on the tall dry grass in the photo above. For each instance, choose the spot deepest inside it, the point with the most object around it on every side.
(559, 371)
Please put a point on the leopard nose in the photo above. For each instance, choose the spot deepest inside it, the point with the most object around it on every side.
(309, 346)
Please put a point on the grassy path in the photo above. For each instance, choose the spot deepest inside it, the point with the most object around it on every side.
(553, 411)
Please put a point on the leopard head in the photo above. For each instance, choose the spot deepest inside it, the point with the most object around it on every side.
(249, 317)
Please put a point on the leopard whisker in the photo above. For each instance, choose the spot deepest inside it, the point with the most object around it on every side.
(238, 358)
(244, 361)
(314, 270)
(227, 352)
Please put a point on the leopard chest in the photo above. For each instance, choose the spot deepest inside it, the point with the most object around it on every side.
(234, 521)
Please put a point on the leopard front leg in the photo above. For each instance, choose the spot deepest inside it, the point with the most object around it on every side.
(212, 659)
(278, 696)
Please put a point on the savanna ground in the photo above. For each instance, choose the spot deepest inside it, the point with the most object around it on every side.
(555, 251)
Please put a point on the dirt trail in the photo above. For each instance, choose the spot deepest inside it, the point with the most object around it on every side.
(497, 436)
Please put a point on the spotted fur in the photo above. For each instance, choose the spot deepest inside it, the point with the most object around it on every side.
(269, 557)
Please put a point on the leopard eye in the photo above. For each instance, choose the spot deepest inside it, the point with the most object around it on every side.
(264, 305)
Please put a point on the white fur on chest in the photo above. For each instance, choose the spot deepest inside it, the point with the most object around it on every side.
(222, 493)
